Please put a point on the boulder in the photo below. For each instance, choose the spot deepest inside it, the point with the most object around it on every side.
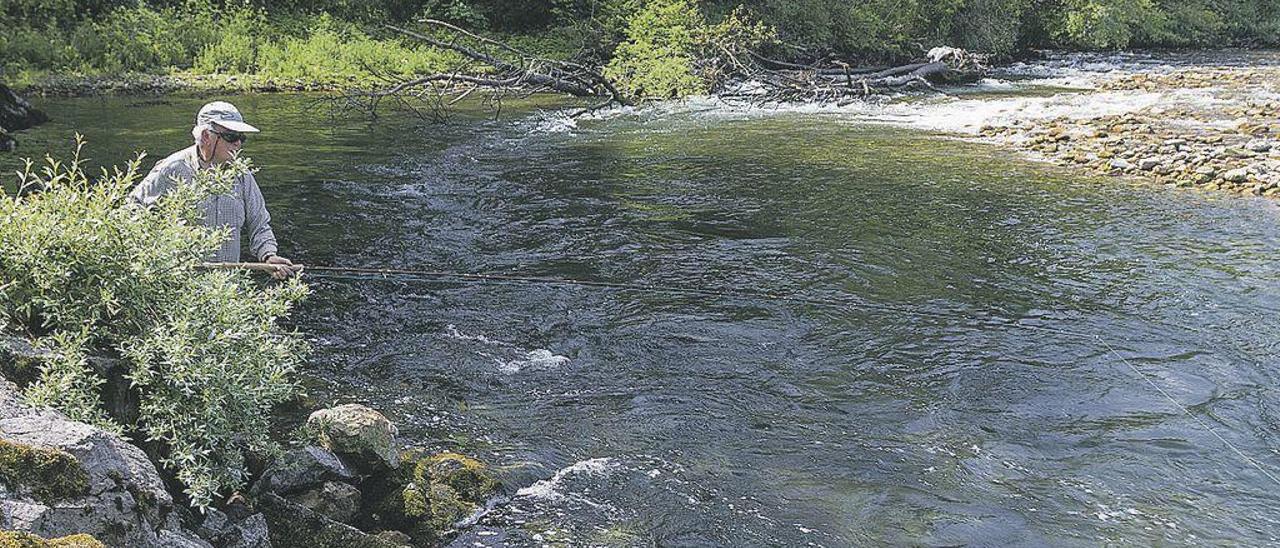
(1236, 175)
(334, 500)
(116, 495)
(295, 526)
(224, 532)
(16, 113)
(300, 470)
(359, 432)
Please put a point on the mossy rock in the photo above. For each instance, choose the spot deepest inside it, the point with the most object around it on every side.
(48, 474)
(467, 476)
(19, 539)
(433, 493)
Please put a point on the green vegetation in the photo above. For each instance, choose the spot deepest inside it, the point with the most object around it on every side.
(19, 539)
(658, 45)
(204, 349)
(48, 474)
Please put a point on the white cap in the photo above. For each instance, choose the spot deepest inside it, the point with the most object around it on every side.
(224, 114)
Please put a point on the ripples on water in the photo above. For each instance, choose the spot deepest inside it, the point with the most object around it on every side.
(637, 418)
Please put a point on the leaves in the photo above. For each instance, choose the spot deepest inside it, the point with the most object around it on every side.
(206, 353)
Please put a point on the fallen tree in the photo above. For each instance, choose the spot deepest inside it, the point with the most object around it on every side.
(722, 61)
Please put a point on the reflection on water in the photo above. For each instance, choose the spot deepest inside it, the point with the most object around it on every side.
(634, 418)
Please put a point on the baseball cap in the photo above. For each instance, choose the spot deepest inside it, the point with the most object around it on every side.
(224, 114)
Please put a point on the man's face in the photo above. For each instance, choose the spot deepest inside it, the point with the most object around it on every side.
(222, 144)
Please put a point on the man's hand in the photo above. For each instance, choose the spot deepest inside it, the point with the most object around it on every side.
(284, 267)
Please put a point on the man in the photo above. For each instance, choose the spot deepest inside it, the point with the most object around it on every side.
(220, 132)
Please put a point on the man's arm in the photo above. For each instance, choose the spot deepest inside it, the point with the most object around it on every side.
(155, 185)
(262, 241)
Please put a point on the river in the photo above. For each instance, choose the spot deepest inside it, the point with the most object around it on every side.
(984, 383)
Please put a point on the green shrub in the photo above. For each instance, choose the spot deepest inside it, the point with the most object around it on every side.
(205, 351)
(332, 52)
(235, 50)
(144, 39)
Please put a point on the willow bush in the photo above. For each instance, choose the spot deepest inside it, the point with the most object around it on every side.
(88, 274)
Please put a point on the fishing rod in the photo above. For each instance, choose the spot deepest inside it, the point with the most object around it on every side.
(738, 293)
(328, 271)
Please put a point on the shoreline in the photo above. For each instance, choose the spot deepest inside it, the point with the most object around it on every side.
(1226, 139)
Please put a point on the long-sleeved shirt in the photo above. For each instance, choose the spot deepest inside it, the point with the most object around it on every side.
(242, 208)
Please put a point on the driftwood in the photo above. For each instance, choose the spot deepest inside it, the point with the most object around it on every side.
(733, 72)
(497, 67)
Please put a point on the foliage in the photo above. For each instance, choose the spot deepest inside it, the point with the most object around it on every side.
(671, 50)
(205, 351)
(21, 539)
(657, 58)
(332, 52)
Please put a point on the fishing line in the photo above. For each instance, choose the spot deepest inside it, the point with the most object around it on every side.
(337, 272)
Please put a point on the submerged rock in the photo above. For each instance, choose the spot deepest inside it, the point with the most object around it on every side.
(360, 432)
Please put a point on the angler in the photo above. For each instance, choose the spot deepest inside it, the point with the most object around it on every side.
(220, 132)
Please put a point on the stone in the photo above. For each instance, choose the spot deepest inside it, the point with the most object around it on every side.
(16, 113)
(224, 532)
(1236, 175)
(1120, 164)
(1148, 164)
(295, 526)
(122, 501)
(358, 431)
(395, 537)
(1258, 145)
(302, 469)
(335, 500)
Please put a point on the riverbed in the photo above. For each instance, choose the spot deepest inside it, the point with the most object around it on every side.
(980, 376)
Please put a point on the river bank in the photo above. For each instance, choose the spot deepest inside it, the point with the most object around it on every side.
(1207, 128)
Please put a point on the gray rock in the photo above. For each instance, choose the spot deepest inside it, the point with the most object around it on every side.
(293, 525)
(1237, 175)
(395, 537)
(1258, 145)
(335, 500)
(302, 469)
(1148, 164)
(220, 530)
(16, 113)
(360, 432)
(126, 503)
(1120, 164)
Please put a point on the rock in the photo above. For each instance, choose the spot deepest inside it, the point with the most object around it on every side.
(360, 432)
(1258, 145)
(16, 113)
(302, 469)
(395, 537)
(19, 539)
(224, 532)
(119, 499)
(1120, 164)
(335, 500)
(7, 143)
(295, 526)
(1148, 164)
(1236, 175)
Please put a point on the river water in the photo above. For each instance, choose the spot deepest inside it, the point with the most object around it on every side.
(965, 394)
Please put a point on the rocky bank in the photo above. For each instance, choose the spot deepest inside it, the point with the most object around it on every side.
(1212, 129)
(350, 484)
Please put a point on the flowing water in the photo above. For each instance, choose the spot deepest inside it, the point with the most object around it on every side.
(967, 394)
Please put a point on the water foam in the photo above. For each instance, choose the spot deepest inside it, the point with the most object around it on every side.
(548, 489)
(540, 358)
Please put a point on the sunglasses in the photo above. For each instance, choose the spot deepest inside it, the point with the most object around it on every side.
(232, 136)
